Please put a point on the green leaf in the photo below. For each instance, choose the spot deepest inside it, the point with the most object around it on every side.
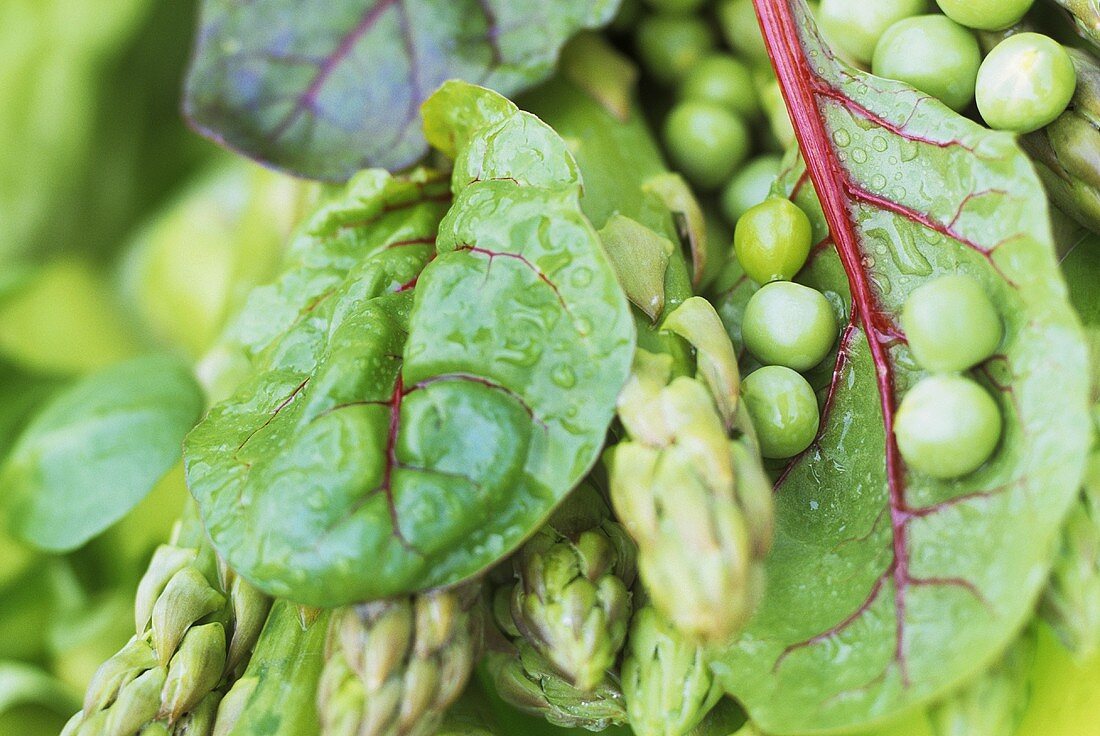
(416, 412)
(887, 588)
(97, 449)
(21, 393)
(21, 684)
(340, 88)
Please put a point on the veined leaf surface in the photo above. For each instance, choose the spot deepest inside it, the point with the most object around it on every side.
(430, 377)
(886, 588)
(324, 88)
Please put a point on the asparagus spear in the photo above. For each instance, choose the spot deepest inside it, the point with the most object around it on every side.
(393, 667)
(196, 625)
(573, 600)
(1067, 152)
(277, 694)
(666, 679)
(526, 680)
(702, 522)
(1086, 14)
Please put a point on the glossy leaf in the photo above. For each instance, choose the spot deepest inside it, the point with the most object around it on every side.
(412, 417)
(887, 588)
(97, 449)
(340, 88)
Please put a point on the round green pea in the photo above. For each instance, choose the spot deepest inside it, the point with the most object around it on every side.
(772, 240)
(789, 324)
(947, 426)
(750, 186)
(779, 120)
(1025, 83)
(707, 142)
(737, 19)
(855, 26)
(725, 81)
(985, 15)
(950, 324)
(670, 45)
(783, 410)
(933, 54)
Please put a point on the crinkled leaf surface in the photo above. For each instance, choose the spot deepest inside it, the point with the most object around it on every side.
(419, 404)
(94, 451)
(885, 587)
(324, 88)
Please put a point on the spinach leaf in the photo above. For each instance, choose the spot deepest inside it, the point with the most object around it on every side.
(340, 88)
(97, 449)
(887, 588)
(429, 378)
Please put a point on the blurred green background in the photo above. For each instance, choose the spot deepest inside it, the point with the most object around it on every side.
(121, 232)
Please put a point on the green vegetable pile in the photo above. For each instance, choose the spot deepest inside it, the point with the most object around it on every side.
(668, 368)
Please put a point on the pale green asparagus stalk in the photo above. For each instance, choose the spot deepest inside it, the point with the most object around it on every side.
(1067, 152)
(666, 678)
(277, 694)
(1086, 14)
(688, 484)
(528, 681)
(700, 513)
(196, 624)
(393, 667)
(573, 600)
(993, 704)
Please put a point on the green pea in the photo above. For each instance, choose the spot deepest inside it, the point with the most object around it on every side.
(1025, 83)
(789, 324)
(933, 54)
(737, 19)
(772, 240)
(985, 15)
(670, 45)
(725, 81)
(707, 142)
(783, 409)
(855, 26)
(947, 426)
(750, 186)
(951, 324)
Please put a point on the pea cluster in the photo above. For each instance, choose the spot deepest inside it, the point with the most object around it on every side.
(1024, 83)
(787, 326)
(947, 424)
(711, 59)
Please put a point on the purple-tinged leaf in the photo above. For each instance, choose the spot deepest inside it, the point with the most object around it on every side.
(324, 88)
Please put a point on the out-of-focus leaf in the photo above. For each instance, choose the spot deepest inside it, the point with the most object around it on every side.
(51, 56)
(97, 449)
(65, 319)
(22, 684)
(1063, 692)
(324, 88)
(21, 392)
(193, 263)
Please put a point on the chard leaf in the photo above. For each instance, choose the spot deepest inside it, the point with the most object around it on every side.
(96, 449)
(430, 378)
(324, 88)
(887, 588)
